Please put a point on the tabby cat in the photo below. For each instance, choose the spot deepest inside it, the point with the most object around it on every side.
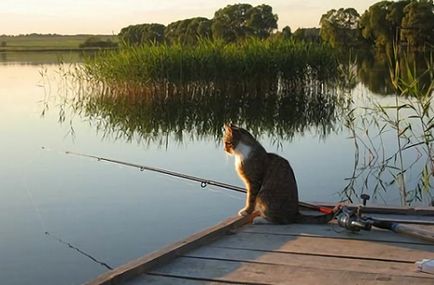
(269, 179)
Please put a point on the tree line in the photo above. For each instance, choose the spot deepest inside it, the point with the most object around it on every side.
(229, 24)
(410, 22)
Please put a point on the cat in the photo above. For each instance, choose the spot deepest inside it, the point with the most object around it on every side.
(269, 180)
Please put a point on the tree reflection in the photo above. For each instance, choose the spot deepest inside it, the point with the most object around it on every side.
(373, 70)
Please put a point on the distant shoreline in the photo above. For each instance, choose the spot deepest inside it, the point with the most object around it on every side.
(26, 49)
(54, 43)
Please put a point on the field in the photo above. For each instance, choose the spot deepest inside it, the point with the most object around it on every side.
(37, 42)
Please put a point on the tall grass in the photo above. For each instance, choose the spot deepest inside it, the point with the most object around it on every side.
(210, 60)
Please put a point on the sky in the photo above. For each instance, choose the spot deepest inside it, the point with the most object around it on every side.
(109, 16)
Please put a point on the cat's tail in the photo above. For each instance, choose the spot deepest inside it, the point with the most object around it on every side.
(318, 219)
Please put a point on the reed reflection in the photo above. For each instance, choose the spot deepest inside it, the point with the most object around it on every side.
(198, 110)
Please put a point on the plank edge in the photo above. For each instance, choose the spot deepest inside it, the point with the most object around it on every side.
(142, 264)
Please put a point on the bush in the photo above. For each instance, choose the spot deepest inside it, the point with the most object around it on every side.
(97, 42)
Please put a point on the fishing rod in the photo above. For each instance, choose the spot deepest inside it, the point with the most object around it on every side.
(354, 221)
(203, 182)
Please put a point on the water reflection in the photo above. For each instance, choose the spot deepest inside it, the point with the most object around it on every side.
(42, 57)
(270, 107)
(199, 110)
(373, 70)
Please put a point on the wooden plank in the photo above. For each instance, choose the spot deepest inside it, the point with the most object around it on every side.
(242, 272)
(332, 231)
(142, 264)
(161, 280)
(320, 262)
(166, 280)
(315, 241)
(372, 250)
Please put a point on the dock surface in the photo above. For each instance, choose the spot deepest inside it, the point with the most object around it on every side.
(288, 254)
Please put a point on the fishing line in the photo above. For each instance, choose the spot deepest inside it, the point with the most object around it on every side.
(47, 233)
(43, 225)
(35, 207)
(78, 250)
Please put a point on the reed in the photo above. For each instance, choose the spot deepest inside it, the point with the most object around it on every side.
(211, 60)
(394, 142)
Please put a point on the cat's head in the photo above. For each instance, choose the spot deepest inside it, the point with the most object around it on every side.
(233, 136)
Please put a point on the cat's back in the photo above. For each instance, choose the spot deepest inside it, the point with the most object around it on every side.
(279, 175)
(278, 198)
(278, 168)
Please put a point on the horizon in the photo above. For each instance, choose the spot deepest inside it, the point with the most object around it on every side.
(20, 17)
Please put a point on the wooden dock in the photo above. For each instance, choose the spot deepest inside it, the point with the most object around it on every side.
(234, 252)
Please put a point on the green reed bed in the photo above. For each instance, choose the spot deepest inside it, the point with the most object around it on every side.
(211, 60)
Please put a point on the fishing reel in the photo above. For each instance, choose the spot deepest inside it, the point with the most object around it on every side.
(352, 220)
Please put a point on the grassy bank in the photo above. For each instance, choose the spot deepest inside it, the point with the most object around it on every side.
(209, 60)
(39, 42)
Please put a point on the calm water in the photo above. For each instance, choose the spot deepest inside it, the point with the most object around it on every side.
(118, 213)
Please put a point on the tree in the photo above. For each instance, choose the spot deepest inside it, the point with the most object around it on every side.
(307, 35)
(188, 31)
(340, 27)
(238, 21)
(229, 23)
(286, 32)
(98, 42)
(417, 27)
(261, 21)
(380, 24)
(142, 33)
(410, 21)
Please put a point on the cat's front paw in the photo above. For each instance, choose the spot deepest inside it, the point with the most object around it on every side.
(244, 212)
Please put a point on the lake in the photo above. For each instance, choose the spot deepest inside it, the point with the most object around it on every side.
(116, 213)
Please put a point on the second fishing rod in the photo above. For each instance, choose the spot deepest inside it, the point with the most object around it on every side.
(203, 182)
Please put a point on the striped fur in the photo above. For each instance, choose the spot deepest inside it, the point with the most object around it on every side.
(269, 180)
